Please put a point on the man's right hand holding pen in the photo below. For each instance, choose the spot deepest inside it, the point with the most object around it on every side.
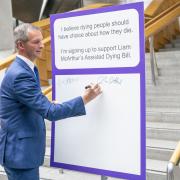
(91, 92)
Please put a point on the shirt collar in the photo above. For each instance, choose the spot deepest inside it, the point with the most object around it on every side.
(27, 61)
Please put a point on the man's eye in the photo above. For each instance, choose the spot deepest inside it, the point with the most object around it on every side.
(36, 42)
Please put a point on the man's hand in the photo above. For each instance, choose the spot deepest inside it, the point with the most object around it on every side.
(91, 92)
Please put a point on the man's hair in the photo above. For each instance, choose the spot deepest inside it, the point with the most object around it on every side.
(21, 32)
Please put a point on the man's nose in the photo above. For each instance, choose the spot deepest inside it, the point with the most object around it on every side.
(41, 45)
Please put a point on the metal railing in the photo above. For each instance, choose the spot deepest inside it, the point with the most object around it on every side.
(153, 61)
(174, 161)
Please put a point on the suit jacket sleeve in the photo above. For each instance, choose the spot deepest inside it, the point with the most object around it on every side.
(28, 92)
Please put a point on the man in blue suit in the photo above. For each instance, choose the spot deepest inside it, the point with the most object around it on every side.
(23, 108)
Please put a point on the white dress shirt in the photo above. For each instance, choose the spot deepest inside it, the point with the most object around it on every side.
(27, 61)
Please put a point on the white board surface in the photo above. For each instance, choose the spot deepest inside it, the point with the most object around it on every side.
(109, 132)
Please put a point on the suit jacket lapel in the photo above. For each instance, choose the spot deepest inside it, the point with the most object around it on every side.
(22, 63)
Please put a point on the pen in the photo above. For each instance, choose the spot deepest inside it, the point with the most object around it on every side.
(88, 86)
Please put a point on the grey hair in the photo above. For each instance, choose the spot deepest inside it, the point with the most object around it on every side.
(21, 32)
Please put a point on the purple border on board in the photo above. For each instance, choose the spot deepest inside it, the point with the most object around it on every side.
(142, 92)
(140, 68)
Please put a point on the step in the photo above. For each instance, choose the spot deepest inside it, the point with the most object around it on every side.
(162, 63)
(3, 176)
(156, 165)
(166, 71)
(163, 99)
(47, 157)
(177, 40)
(163, 125)
(48, 124)
(161, 104)
(151, 101)
(156, 170)
(48, 138)
(162, 144)
(159, 149)
(168, 81)
(169, 49)
(164, 117)
(163, 92)
(159, 96)
(49, 173)
(158, 88)
(46, 173)
(162, 109)
(173, 45)
(164, 80)
(165, 67)
(164, 131)
(153, 175)
(55, 174)
(163, 57)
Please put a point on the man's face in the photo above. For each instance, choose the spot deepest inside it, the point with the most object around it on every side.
(33, 47)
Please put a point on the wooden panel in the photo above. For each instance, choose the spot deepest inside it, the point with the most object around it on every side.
(160, 38)
(41, 64)
(177, 26)
(48, 59)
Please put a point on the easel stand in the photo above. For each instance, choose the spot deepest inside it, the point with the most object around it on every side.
(104, 177)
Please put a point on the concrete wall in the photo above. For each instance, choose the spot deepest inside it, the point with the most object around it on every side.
(6, 25)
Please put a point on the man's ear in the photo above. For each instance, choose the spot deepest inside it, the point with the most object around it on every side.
(20, 45)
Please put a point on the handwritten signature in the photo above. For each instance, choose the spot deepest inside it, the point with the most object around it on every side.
(110, 80)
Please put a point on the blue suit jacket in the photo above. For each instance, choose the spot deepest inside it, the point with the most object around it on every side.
(23, 108)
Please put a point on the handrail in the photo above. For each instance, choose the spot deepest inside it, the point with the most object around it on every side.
(176, 155)
(47, 90)
(5, 63)
(162, 14)
(49, 96)
(42, 23)
(156, 25)
(175, 158)
(46, 40)
(153, 7)
(156, 7)
(162, 21)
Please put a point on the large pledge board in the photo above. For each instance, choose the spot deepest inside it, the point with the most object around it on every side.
(104, 46)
